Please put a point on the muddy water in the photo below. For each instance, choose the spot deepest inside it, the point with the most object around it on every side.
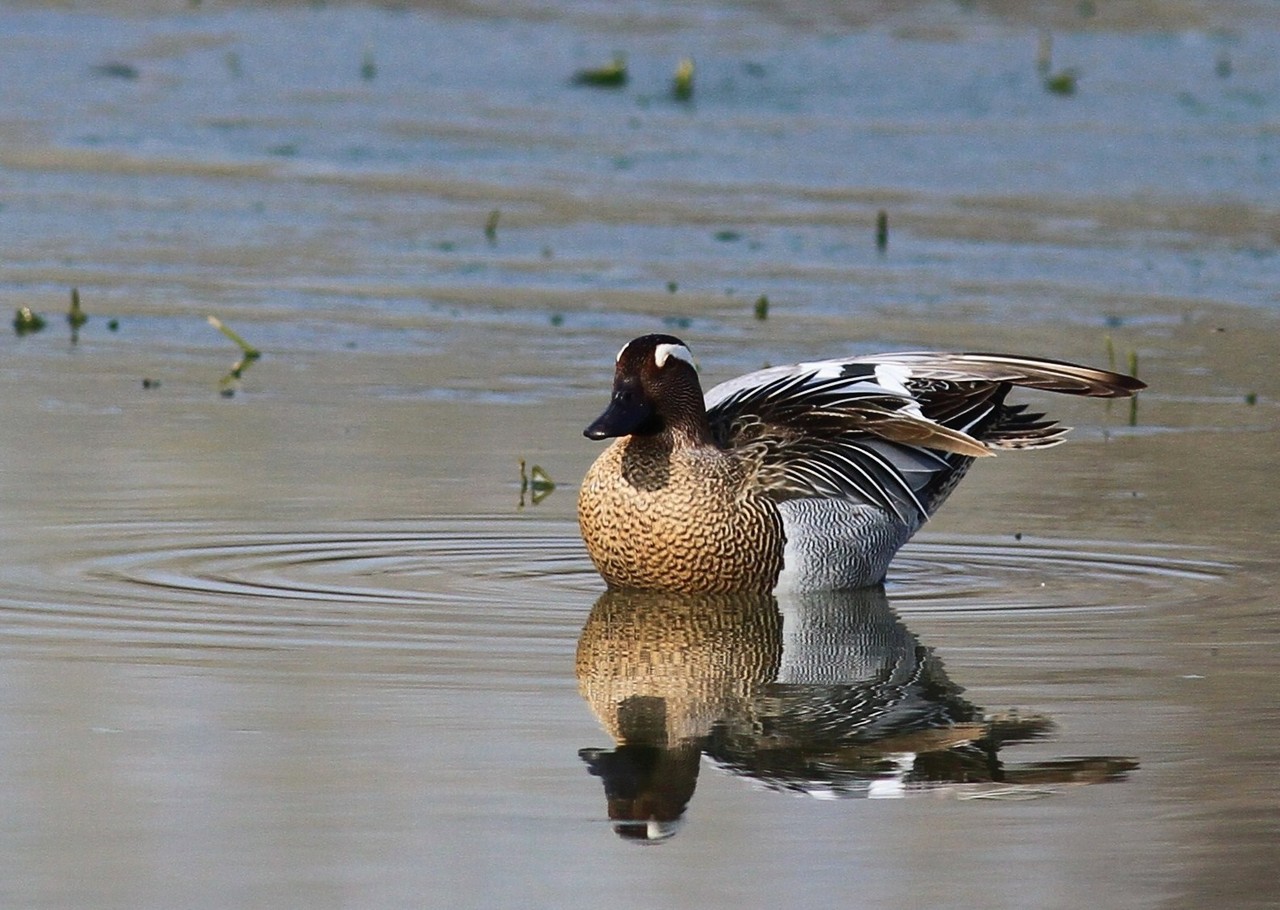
(308, 645)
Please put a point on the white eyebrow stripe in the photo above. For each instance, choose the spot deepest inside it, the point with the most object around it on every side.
(678, 351)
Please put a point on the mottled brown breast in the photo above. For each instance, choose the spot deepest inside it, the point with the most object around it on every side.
(687, 519)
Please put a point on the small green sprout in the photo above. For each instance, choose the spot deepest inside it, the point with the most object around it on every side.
(682, 87)
(227, 385)
(536, 482)
(611, 75)
(249, 351)
(75, 316)
(762, 308)
(27, 320)
(1062, 83)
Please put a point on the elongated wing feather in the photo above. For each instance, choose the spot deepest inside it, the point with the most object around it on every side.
(1029, 372)
(885, 429)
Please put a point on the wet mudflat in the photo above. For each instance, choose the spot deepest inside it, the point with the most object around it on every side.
(308, 643)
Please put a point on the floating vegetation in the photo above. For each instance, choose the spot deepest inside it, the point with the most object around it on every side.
(762, 308)
(1062, 83)
(536, 482)
(148, 383)
(1251, 399)
(491, 226)
(368, 67)
(1222, 66)
(116, 70)
(677, 322)
(113, 325)
(27, 321)
(76, 316)
(882, 230)
(227, 385)
(557, 320)
(682, 87)
(611, 75)
(728, 236)
(672, 287)
(1133, 371)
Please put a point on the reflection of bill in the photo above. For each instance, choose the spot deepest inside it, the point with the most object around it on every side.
(825, 693)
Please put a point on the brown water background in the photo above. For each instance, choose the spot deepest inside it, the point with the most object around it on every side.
(303, 646)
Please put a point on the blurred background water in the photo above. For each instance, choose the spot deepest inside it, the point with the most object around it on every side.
(297, 638)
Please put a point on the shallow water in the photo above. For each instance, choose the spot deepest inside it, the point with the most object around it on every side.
(310, 644)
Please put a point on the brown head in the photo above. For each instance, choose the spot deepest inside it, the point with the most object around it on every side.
(656, 393)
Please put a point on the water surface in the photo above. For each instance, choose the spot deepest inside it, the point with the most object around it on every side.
(307, 644)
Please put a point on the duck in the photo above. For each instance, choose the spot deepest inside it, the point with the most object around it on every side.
(806, 477)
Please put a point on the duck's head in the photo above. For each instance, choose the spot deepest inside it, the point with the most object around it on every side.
(655, 390)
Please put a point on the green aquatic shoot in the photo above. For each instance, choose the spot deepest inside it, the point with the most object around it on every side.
(27, 320)
(882, 230)
(1133, 401)
(491, 226)
(249, 351)
(762, 308)
(227, 384)
(1133, 371)
(536, 482)
(368, 66)
(682, 87)
(76, 316)
(611, 75)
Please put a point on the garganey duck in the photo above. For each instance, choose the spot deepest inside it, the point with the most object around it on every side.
(805, 477)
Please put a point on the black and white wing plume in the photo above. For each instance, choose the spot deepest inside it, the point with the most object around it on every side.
(892, 430)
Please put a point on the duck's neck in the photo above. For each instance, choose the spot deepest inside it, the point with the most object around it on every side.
(673, 438)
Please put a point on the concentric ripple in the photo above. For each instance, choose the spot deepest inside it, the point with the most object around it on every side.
(438, 585)
(974, 574)
(455, 583)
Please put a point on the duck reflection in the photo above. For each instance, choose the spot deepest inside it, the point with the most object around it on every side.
(825, 693)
